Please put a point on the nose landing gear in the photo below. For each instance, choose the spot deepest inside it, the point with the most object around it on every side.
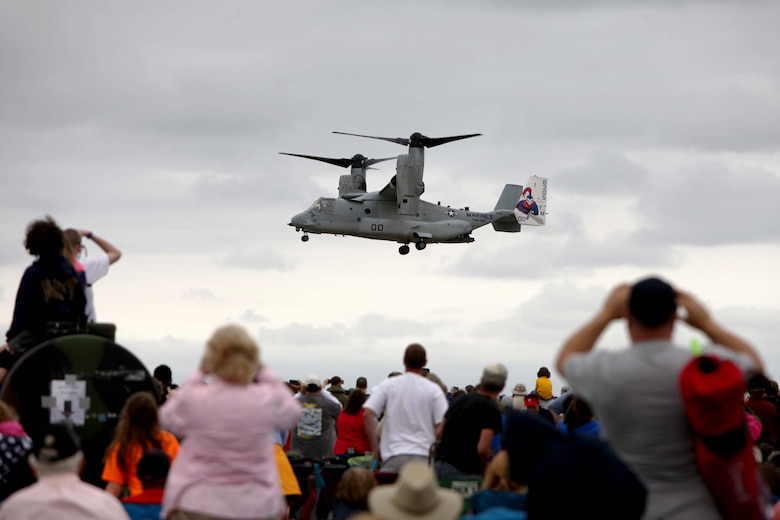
(305, 237)
(420, 245)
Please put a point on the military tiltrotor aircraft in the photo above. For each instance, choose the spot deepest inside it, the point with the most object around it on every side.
(397, 213)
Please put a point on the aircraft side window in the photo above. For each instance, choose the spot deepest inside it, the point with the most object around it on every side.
(327, 205)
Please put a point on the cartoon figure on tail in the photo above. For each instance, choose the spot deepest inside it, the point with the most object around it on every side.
(531, 211)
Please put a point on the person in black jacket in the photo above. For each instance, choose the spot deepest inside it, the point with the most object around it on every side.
(50, 295)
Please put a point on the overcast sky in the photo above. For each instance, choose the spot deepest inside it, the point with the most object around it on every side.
(158, 126)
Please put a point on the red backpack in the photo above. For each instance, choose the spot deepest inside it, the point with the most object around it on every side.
(713, 391)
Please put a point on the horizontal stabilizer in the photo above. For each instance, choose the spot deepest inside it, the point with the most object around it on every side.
(506, 225)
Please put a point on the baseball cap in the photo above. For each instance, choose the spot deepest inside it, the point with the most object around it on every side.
(312, 382)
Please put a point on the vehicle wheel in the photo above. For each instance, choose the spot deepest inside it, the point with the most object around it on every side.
(404, 250)
(305, 238)
(420, 245)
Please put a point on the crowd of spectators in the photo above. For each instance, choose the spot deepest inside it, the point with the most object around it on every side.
(696, 439)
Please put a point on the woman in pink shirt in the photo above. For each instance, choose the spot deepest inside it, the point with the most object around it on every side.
(350, 428)
(227, 414)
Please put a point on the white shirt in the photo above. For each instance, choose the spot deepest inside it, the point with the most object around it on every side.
(95, 268)
(62, 496)
(412, 405)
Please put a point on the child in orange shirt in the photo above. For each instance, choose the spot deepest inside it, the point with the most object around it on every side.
(138, 430)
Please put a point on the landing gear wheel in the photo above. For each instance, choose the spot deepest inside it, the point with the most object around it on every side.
(420, 245)
(305, 238)
(404, 250)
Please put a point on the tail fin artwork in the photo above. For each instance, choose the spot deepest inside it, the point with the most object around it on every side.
(531, 207)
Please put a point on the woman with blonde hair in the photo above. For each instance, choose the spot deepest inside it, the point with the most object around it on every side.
(352, 492)
(227, 413)
(138, 430)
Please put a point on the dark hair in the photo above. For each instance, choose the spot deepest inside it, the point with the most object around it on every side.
(153, 466)
(44, 238)
(163, 373)
(355, 402)
(543, 372)
(652, 302)
(414, 357)
(578, 412)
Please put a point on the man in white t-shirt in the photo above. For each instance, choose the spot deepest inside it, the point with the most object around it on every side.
(413, 409)
(95, 266)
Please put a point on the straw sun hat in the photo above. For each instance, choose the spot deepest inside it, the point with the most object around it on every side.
(416, 494)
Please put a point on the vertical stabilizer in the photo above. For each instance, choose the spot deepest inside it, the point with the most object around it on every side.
(509, 197)
(531, 207)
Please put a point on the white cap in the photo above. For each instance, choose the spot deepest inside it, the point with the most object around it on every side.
(312, 380)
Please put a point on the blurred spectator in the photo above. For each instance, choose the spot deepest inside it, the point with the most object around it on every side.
(15, 446)
(226, 467)
(362, 384)
(138, 430)
(314, 436)
(469, 426)
(337, 390)
(95, 265)
(416, 494)
(351, 435)
(763, 409)
(163, 378)
(352, 492)
(413, 409)
(543, 384)
(60, 493)
(519, 393)
(652, 434)
(50, 295)
(152, 471)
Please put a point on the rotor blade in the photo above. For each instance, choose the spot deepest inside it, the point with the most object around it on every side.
(344, 163)
(397, 140)
(369, 162)
(356, 161)
(430, 142)
(416, 140)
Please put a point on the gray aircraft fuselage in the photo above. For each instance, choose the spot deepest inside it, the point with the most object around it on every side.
(370, 215)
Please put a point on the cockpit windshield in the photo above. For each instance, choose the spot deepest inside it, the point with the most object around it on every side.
(323, 205)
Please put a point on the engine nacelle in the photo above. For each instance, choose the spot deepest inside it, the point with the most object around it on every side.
(355, 182)
(409, 182)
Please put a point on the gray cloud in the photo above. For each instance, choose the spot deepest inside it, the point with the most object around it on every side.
(161, 127)
(305, 335)
(257, 259)
(251, 316)
(200, 294)
(710, 204)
